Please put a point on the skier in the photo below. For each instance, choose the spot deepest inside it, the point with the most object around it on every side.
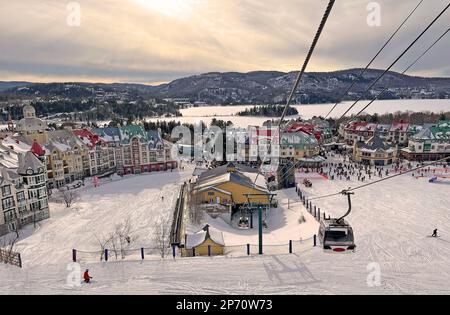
(435, 233)
(87, 278)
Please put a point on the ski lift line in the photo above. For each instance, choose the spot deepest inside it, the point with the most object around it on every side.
(374, 182)
(302, 71)
(360, 75)
(308, 57)
(355, 80)
(396, 60)
(409, 67)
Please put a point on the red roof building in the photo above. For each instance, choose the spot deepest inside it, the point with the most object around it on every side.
(37, 149)
(88, 138)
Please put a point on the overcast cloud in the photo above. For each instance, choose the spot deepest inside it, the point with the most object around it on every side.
(150, 41)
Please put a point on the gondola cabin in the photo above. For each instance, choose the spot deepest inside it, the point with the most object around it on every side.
(336, 236)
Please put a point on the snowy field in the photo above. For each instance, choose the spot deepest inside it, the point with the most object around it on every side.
(96, 214)
(207, 113)
(392, 221)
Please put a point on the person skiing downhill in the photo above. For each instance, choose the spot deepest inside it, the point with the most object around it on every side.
(435, 233)
(87, 278)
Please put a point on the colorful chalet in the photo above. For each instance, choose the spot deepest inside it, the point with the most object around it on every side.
(227, 185)
(429, 144)
(374, 152)
(206, 242)
(143, 151)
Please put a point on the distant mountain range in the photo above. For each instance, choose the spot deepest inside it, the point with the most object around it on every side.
(259, 87)
(12, 84)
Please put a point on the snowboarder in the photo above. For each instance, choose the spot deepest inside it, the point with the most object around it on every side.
(87, 278)
(435, 233)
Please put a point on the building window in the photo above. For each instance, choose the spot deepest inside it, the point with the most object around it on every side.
(6, 190)
(8, 203)
(20, 196)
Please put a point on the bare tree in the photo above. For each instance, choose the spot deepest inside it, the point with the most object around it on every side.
(123, 236)
(161, 235)
(118, 240)
(103, 242)
(69, 197)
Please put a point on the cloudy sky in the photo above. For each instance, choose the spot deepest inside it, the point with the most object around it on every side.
(152, 41)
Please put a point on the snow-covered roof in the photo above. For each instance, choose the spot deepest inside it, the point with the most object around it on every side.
(108, 134)
(299, 138)
(440, 131)
(129, 132)
(197, 239)
(16, 144)
(215, 188)
(8, 157)
(29, 162)
(373, 144)
(241, 178)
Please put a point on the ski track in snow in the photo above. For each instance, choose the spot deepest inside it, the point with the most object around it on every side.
(392, 222)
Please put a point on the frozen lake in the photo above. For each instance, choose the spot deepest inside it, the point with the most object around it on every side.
(207, 113)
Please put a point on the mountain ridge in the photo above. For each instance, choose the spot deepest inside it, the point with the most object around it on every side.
(255, 87)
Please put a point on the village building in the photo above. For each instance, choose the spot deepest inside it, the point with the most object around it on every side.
(429, 144)
(383, 131)
(323, 128)
(227, 185)
(297, 145)
(100, 159)
(111, 136)
(23, 193)
(374, 152)
(398, 133)
(206, 242)
(62, 150)
(357, 131)
(143, 151)
(261, 143)
(64, 155)
(32, 127)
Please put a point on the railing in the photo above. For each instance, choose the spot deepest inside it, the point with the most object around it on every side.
(157, 253)
(11, 258)
(175, 232)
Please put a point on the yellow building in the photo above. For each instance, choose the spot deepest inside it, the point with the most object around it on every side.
(206, 242)
(227, 185)
(374, 152)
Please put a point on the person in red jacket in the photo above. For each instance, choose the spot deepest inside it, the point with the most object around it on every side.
(86, 276)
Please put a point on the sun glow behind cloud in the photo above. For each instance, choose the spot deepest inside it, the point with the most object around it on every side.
(172, 8)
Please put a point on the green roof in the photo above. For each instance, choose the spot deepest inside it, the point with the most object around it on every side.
(132, 131)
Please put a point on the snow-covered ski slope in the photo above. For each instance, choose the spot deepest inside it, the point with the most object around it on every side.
(95, 215)
(392, 223)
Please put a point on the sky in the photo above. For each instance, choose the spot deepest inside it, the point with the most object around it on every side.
(156, 41)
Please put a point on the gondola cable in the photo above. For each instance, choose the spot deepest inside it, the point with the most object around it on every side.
(299, 163)
(300, 74)
(406, 70)
(395, 61)
(377, 181)
(355, 80)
